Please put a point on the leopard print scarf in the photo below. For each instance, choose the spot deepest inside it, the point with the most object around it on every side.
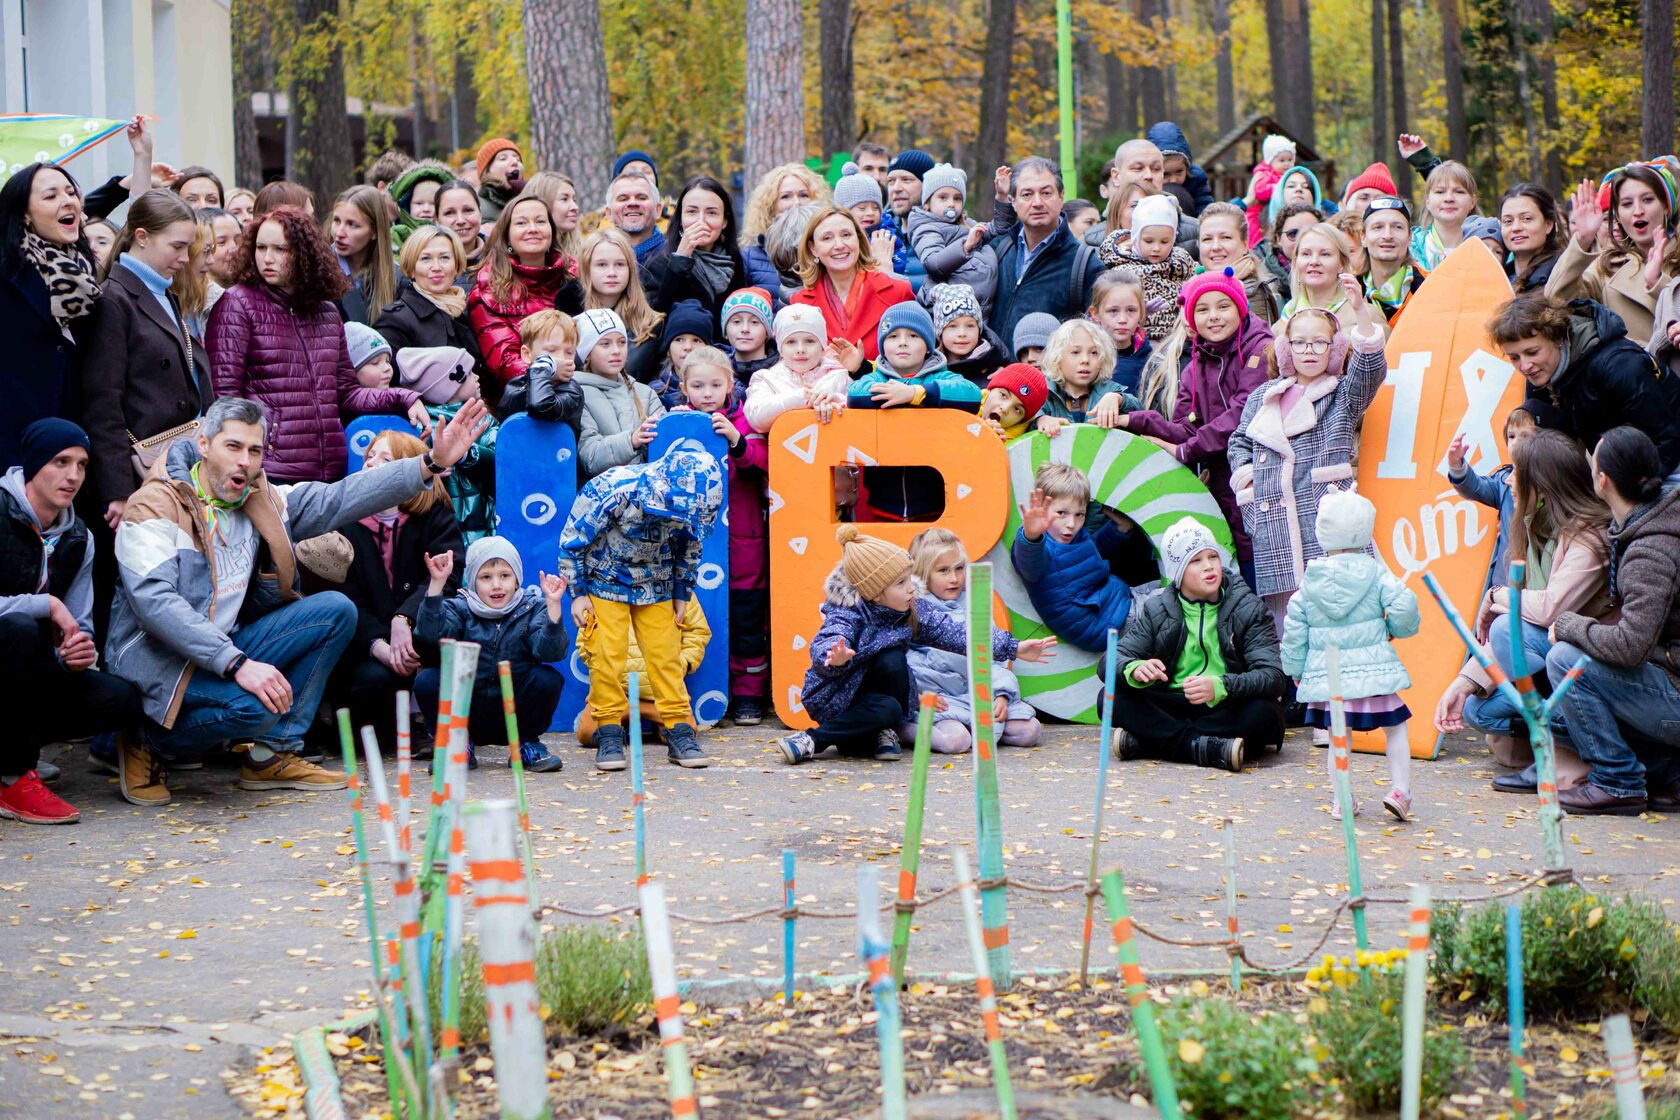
(71, 288)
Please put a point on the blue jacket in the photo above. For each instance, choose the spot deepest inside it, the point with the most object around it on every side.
(1128, 366)
(1495, 491)
(1072, 589)
(1047, 284)
(905, 262)
(1168, 137)
(1349, 601)
(1056, 404)
(634, 532)
(525, 638)
(944, 387)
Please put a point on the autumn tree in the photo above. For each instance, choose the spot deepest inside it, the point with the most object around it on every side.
(1452, 69)
(1289, 35)
(992, 147)
(318, 151)
(571, 112)
(775, 97)
(250, 42)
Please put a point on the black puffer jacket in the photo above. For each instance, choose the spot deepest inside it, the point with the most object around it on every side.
(1610, 380)
(1247, 641)
(414, 320)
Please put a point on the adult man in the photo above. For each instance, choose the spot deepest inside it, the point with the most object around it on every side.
(904, 193)
(501, 176)
(1042, 266)
(637, 162)
(1369, 185)
(633, 206)
(1392, 277)
(50, 686)
(208, 622)
(872, 160)
(1142, 160)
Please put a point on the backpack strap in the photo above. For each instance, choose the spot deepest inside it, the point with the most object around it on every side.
(1077, 293)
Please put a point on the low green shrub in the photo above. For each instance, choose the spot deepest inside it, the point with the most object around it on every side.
(1359, 1039)
(1228, 1066)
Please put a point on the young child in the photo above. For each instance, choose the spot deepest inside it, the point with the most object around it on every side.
(859, 688)
(1350, 601)
(1032, 335)
(1079, 362)
(708, 385)
(619, 413)
(911, 370)
(941, 568)
(1014, 396)
(548, 347)
(444, 378)
(631, 547)
(809, 372)
(1067, 577)
(1277, 155)
(1117, 306)
(1227, 363)
(861, 195)
(1297, 437)
(952, 249)
(694, 634)
(1298, 186)
(970, 348)
(370, 355)
(1200, 661)
(688, 327)
(1449, 200)
(1151, 254)
(1495, 490)
(522, 625)
(746, 321)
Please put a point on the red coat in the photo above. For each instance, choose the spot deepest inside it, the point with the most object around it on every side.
(880, 292)
(297, 367)
(497, 323)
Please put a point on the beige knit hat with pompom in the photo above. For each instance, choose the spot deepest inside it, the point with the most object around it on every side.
(870, 564)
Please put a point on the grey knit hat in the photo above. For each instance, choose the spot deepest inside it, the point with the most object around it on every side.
(944, 175)
(855, 187)
(1034, 330)
(952, 301)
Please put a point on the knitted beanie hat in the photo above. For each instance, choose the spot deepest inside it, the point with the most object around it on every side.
(869, 564)
(1025, 382)
(634, 155)
(364, 343)
(1376, 176)
(1345, 520)
(799, 318)
(490, 150)
(944, 175)
(1483, 226)
(918, 163)
(1273, 144)
(952, 301)
(592, 326)
(440, 374)
(689, 316)
(44, 439)
(911, 315)
(1197, 286)
(1034, 329)
(855, 187)
(1184, 540)
(755, 300)
(1154, 210)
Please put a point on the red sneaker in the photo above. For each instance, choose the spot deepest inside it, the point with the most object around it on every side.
(29, 801)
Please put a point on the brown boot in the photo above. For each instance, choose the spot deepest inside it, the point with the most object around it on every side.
(1508, 750)
(140, 773)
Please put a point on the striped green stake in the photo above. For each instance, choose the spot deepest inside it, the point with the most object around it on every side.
(1227, 827)
(872, 950)
(431, 869)
(656, 925)
(455, 901)
(970, 902)
(1624, 1067)
(910, 853)
(1105, 733)
(1137, 994)
(1514, 1004)
(1411, 1006)
(505, 671)
(1344, 796)
(788, 930)
(637, 796)
(994, 897)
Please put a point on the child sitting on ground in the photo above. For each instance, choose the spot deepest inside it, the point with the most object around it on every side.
(1066, 576)
(548, 346)
(1349, 601)
(619, 413)
(1277, 155)
(859, 688)
(941, 567)
(1032, 335)
(952, 249)
(1152, 255)
(810, 372)
(1014, 396)
(1200, 660)
(688, 327)
(522, 625)
(746, 321)
(444, 378)
(970, 348)
(1079, 362)
(631, 547)
(1117, 306)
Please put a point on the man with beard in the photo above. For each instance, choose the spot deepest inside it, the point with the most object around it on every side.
(904, 193)
(1392, 276)
(633, 206)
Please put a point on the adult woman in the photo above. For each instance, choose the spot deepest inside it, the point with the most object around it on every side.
(522, 274)
(101, 235)
(46, 284)
(1222, 242)
(1627, 276)
(458, 212)
(281, 192)
(1277, 249)
(563, 210)
(360, 230)
(226, 236)
(1123, 198)
(843, 281)
(387, 582)
(191, 285)
(1533, 233)
(781, 189)
(700, 260)
(277, 338)
(430, 308)
(242, 204)
(607, 270)
(1562, 524)
(198, 186)
(1322, 255)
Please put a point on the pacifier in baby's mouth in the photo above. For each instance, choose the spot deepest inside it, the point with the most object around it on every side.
(950, 213)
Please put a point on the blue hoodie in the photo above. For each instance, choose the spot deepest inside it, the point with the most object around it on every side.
(1275, 207)
(1168, 137)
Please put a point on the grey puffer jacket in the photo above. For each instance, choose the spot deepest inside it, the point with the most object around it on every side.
(525, 638)
(938, 244)
(946, 674)
(613, 408)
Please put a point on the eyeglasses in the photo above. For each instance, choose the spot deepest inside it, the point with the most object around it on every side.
(1309, 345)
(1291, 234)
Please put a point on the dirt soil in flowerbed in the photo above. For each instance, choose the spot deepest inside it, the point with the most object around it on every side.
(1064, 1042)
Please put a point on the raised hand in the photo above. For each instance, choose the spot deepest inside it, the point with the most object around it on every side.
(839, 654)
(1036, 649)
(1035, 515)
(1410, 144)
(1455, 453)
(845, 352)
(1654, 260)
(1585, 215)
(552, 588)
(1001, 180)
(438, 568)
(454, 437)
(882, 245)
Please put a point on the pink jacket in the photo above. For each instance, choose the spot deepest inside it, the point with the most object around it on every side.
(297, 367)
(777, 389)
(1256, 210)
(749, 510)
(1579, 583)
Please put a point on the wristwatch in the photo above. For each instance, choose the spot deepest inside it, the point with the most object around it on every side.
(233, 666)
(430, 464)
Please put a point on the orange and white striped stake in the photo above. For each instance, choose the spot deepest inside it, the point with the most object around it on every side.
(889, 1032)
(454, 906)
(405, 768)
(969, 900)
(656, 932)
(1411, 1006)
(507, 940)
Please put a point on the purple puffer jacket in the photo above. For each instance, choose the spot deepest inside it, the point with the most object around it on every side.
(298, 368)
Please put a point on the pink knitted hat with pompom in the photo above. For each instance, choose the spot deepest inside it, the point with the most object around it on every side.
(1224, 281)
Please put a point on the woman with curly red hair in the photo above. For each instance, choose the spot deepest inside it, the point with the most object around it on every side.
(276, 337)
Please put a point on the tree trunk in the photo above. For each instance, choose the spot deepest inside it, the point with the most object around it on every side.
(992, 145)
(571, 108)
(839, 128)
(1289, 33)
(463, 122)
(320, 155)
(1525, 87)
(775, 119)
(1224, 80)
(1656, 117)
(1397, 89)
(1452, 65)
(1121, 99)
(248, 39)
(1543, 21)
(1382, 146)
(1152, 80)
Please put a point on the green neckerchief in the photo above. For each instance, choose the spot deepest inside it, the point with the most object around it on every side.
(1297, 303)
(1392, 293)
(213, 504)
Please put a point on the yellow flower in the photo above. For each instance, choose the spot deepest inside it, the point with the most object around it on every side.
(1190, 1051)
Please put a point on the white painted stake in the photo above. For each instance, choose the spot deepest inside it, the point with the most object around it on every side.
(1624, 1068)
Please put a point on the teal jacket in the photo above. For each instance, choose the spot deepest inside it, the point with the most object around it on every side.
(1056, 404)
(1349, 601)
(944, 387)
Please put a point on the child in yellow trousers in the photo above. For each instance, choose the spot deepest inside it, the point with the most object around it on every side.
(694, 634)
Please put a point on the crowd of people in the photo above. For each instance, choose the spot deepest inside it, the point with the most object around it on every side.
(190, 564)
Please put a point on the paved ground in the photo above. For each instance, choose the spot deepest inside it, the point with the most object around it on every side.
(143, 952)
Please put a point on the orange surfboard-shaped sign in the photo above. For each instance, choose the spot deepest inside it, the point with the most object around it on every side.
(1445, 376)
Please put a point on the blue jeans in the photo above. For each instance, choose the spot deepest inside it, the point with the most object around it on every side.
(1608, 704)
(1496, 715)
(303, 640)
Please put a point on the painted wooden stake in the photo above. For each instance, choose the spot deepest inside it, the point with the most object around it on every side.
(656, 927)
(788, 930)
(1624, 1067)
(405, 770)
(454, 914)
(638, 795)
(1514, 1004)
(394, 977)
(872, 951)
(1344, 793)
(1228, 828)
(910, 852)
(517, 760)
(1137, 994)
(970, 902)
(1411, 1007)
(1104, 734)
(507, 941)
(994, 895)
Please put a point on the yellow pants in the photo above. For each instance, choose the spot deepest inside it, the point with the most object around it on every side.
(656, 634)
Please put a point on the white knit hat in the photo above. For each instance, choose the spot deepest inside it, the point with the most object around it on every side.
(1154, 210)
(855, 187)
(364, 343)
(944, 175)
(1273, 144)
(595, 324)
(1345, 520)
(1184, 540)
(799, 318)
